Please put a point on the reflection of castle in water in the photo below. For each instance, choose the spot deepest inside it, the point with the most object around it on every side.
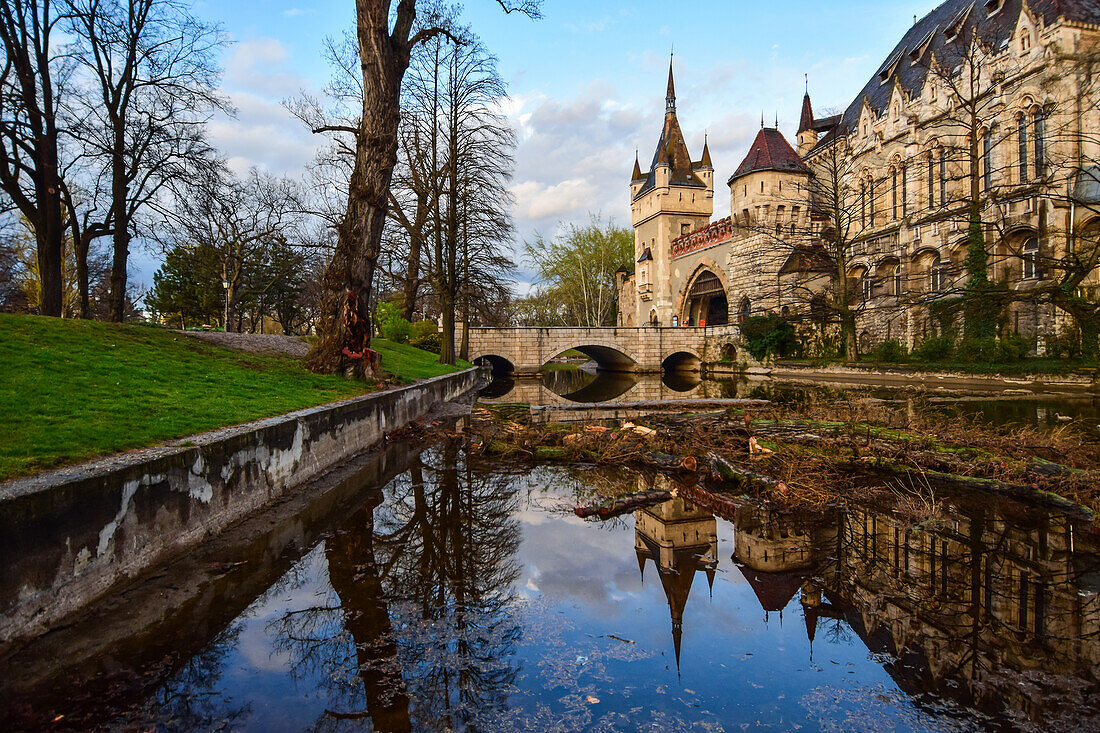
(681, 540)
(993, 607)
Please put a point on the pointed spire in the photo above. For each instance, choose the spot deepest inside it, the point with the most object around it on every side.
(761, 119)
(641, 564)
(807, 121)
(670, 95)
(777, 119)
(706, 161)
(637, 175)
(677, 635)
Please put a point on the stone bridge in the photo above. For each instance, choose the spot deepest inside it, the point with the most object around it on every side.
(651, 349)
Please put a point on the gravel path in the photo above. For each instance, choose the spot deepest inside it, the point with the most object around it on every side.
(259, 343)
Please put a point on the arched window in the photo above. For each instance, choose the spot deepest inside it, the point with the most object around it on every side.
(1031, 258)
(867, 286)
(1039, 127)
(871, 200)
(1021, 139)
(744, 310)
(897, 283)
(904, 191)
(653, 318)
(943, 176)
(931, 181)
(863, 204)
(987, 159)
(893, 192)
(935, 275)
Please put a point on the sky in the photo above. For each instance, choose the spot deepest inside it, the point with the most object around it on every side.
(586, 86)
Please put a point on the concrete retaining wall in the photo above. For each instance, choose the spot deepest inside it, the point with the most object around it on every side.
(67, 536)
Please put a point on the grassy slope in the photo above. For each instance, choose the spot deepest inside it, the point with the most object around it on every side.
(408, 362)
(73, 390)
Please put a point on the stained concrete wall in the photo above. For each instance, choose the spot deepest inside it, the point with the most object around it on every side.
(68, 536)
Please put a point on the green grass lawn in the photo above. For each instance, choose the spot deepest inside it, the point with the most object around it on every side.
(74, 390)
(408, 362)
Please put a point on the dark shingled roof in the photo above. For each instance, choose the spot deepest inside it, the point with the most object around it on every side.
(907, 63)
(807, 121)
(770, 151)
(672, 150)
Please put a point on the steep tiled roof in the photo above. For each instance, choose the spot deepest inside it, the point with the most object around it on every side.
(770, 151)
(807, 121)
(672, 150)
(908, 62)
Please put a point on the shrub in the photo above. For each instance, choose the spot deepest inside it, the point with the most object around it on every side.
(1066, 344)
(769, 336)
(989, 350)
(425, 327)
(432, 342)
(391, 325)
(1012, 347)
(890, 350)
(935, 348)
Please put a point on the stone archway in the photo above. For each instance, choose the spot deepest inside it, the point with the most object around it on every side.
(704, 299)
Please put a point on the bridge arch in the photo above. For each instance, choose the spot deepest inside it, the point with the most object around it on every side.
(500, 365)
(684, 360)
(608, 356)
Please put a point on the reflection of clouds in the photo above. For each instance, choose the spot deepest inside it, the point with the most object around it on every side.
(570, 559)
(254, 644)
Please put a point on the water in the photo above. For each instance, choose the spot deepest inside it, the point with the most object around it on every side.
(466, 595)
(1002, 406)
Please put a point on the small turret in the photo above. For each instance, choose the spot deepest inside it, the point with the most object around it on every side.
(807, 134)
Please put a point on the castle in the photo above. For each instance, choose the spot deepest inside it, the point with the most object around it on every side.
(980, 101)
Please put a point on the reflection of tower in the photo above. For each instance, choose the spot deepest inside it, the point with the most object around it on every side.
(681, 539)
(776, 553)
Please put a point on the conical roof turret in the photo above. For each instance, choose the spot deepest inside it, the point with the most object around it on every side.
(706, 162)
(807, 121)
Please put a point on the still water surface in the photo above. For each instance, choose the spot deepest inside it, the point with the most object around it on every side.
(466, 595)
(1031, 406)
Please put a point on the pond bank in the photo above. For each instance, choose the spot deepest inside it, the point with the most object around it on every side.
(67, 536)
(813, 454)
(899, 375)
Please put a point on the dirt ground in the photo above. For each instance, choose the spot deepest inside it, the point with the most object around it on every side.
(260, 343)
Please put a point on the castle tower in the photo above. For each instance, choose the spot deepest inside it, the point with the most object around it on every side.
(681, 540)
(674, 197)
(807, 135)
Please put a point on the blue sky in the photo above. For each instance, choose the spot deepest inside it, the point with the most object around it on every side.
(586, 83)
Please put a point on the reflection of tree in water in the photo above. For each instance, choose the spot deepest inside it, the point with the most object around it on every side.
(449, 546)
(193, 699)
(423, 607)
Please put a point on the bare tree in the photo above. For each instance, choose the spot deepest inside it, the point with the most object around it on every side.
(33, 84)
(240, 220)
(153, 86)
(385, 47)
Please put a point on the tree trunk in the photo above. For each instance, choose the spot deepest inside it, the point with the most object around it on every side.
(412, 278)
(116, 296)
(231, 308)
(49, 235)
(82, 245)
(345, 323)
(447, 308)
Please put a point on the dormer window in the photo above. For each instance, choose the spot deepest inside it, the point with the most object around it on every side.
(1025, 42)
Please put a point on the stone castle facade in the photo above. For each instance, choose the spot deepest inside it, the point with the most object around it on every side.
(978, 93)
